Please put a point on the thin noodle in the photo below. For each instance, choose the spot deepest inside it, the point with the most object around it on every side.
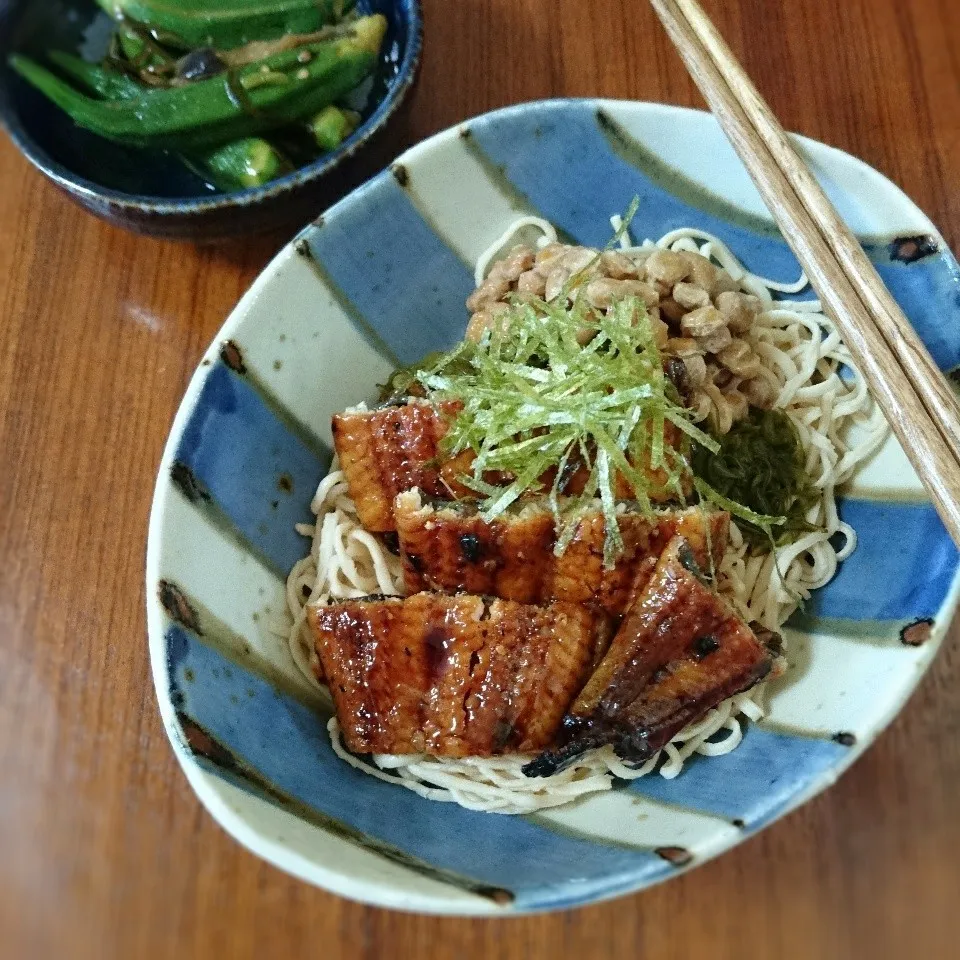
(499, 246)
(839, 427)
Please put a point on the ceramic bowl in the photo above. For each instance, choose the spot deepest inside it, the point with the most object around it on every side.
(381, 280)
(150, 191)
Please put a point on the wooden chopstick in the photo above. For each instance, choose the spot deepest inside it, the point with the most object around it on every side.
(922, 430)
(942, 403)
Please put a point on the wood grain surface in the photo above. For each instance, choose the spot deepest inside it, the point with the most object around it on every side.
(104, 851)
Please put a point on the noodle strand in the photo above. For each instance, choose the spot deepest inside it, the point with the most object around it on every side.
(824, 394)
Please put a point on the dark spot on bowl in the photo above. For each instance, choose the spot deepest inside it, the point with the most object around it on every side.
(187, 483)
(232, 356)
(738, 823)
(285, 483)
(319, 222)
(466, 133)
(234, 699)
(496, 894)
(178, 608)
(274, 504)
(205, 363)
(400, 174)
(844, 738)
(678, 856)
(189, 675)
(303, 248)
(911, 249)
(917, 633)
(204, 744)
(277, 364)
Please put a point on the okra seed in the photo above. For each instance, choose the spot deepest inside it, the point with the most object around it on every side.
(305, 56)
(264, 69)
(303, 74)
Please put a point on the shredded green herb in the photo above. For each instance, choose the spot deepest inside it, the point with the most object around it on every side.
(403, 381)
(537, 403)
(761, 464)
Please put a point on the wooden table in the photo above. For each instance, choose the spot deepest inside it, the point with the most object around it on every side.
(104, 850)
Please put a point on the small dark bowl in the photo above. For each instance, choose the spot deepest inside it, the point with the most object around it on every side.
(152, 192)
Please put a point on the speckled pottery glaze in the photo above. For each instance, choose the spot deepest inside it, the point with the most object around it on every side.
(149, 191)
(381, 280)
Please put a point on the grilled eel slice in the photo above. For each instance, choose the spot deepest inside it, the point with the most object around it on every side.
(680, 651)
(386, 451)
(449, 547)
(392, 449)
(453, 676)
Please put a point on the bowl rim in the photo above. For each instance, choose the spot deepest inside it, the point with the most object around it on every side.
(118, 200)
(330, 875)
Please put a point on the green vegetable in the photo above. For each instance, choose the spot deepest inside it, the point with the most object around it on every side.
(229, 23)
(760, 464)
(250, 162)
(331, 126)
(109, 84)
(405, 382)
(554, 389)
(276, 91)
(139, 45)
(150, 55)
(535, 400)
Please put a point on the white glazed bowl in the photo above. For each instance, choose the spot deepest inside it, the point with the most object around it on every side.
(381, 279)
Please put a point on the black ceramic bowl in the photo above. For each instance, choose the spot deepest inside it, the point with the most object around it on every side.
(150, 191)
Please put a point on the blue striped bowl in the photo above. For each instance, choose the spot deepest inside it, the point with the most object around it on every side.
(381, 279)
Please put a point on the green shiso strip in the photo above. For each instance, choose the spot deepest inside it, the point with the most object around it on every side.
(535, 400)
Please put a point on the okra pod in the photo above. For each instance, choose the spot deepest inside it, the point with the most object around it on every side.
(229, 23)
(331, 126)
(242, 164)
(245, 163)
(281, 89)
(109, 84)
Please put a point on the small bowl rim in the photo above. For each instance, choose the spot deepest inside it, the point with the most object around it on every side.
(90, 191)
